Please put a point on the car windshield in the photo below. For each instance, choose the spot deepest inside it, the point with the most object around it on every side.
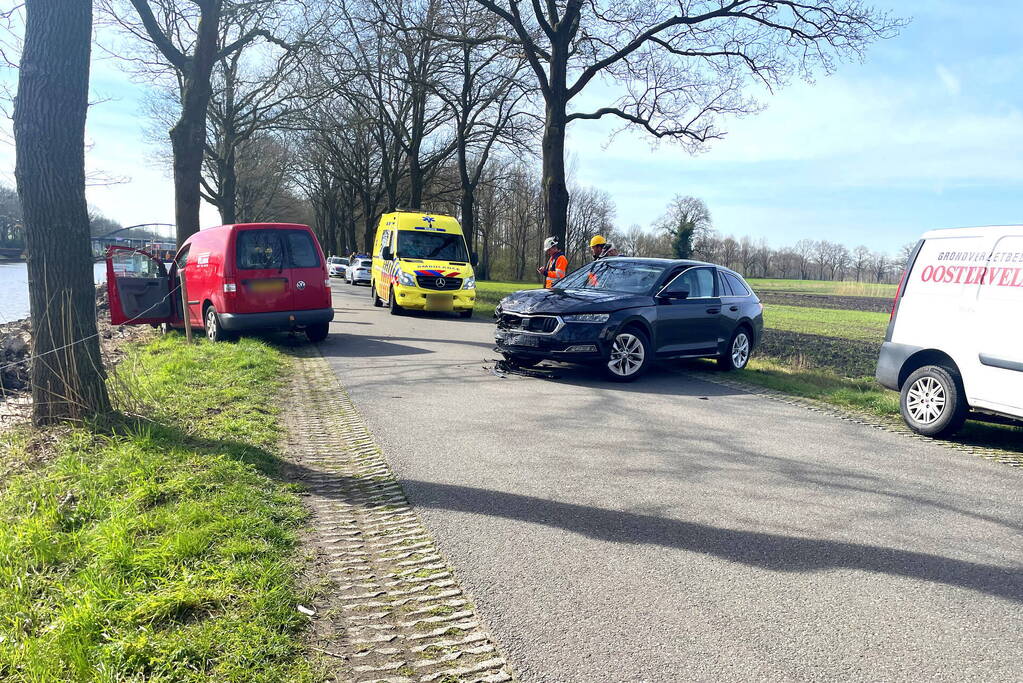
(365, 264)
(437, 246)
(633, 277)
(334, 260)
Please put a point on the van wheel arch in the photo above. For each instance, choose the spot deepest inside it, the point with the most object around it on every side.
(929, 357)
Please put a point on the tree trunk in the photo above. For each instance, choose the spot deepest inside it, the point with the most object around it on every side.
(555, 188)
(415, 180)
(188, 136)
(67, 375)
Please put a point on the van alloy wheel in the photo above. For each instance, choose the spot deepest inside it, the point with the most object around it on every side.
(925, 400)
(214, 331)
(627, 355)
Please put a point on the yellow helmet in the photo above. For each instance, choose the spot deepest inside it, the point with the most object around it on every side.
(597, 239)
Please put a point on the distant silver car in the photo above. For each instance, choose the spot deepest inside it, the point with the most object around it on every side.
(336, 266)
(359, 270)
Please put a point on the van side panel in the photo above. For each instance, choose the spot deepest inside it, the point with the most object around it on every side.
(998, 335)
(937, 308)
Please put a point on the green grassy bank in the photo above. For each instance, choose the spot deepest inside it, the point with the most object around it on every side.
(158, 547)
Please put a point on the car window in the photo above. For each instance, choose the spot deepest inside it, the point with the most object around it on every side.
(301, 250)
(260, 250)
(135, 264)
(182, 258)
(365, 264)
(737, 286)
(699, 280)
(723, 285)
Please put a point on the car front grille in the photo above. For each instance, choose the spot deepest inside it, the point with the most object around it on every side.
(439, 283)
(536, 323)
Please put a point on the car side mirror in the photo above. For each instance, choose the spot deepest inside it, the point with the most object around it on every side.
(679, 293)
(386, 254)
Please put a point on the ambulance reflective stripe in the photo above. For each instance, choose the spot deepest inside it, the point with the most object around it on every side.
(437, 273)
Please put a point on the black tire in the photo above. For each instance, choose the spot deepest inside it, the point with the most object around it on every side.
(318, 332)
(738, 351)
(393, 305)
(932, 401)
(465, 314)
(377, 301)
(215, 331)
(631, 355)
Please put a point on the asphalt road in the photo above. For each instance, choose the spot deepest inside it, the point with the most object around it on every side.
(674, 529)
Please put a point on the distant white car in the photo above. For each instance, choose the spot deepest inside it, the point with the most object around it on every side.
(336, 266)
(359, 270)
(955, 339)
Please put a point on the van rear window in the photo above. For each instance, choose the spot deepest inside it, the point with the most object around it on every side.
(275, 249)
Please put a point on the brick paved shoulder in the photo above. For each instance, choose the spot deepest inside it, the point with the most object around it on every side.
(394, 607)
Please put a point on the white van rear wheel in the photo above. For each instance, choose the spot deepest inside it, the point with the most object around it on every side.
(933, 402)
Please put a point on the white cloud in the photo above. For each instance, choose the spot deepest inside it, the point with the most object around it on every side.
(949, 80)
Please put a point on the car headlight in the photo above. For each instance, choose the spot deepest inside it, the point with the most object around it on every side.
(406, 279)
(586, 318)
(470, 283)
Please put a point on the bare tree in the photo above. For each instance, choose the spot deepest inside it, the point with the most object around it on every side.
(861, 261)
(49, 128)
(185, 37)
(682, 64)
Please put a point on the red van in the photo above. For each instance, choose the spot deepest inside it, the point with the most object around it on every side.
(250, 276)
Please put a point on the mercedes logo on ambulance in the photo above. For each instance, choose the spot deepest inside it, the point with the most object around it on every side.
(440, 283)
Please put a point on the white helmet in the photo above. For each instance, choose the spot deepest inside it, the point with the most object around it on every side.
(550, 242)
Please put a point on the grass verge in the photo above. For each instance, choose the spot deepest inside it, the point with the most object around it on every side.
(827, 322)
(159, 547)
(822, 287)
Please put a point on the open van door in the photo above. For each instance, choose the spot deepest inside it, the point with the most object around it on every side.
(139, 287)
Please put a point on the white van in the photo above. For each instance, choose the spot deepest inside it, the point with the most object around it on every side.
(955, 339)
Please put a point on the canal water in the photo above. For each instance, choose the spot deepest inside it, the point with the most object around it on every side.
(14, 289)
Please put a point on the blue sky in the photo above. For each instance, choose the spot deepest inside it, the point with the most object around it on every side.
(927, 132)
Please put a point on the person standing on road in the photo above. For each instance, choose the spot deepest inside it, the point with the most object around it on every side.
(557, 263)
(601, 248)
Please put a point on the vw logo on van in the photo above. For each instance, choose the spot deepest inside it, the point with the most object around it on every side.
(300, 284)
(440, 283)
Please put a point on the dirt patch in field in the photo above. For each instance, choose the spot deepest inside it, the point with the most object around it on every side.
(847, 357)
(871, 304)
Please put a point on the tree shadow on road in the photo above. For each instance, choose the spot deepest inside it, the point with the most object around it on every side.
(770, 551)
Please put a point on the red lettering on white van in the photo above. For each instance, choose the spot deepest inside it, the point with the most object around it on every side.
(1006, 278)
(927, 274)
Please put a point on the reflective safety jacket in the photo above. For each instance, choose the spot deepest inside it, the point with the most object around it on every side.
(557, 267)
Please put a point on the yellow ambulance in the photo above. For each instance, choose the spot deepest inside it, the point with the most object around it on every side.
(420, 262)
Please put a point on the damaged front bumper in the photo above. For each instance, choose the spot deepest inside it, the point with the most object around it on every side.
(550, 337)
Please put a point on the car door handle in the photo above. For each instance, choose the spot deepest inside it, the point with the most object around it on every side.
(733, 308)
(713, 310)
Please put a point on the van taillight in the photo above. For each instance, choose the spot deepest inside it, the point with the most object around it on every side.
(230, 287)
(898, 293)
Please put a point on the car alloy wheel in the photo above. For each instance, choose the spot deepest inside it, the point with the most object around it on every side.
(926, 400)
(627, 355)
(740, 351)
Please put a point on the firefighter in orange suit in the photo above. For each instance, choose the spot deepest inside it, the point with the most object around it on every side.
(557, 263)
